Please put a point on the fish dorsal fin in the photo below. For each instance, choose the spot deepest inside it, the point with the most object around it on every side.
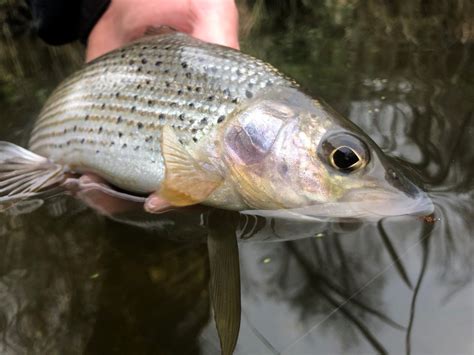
(224, 285)
(160, 30)
(186, 182)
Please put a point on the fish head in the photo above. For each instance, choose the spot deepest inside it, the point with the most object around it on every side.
(286, 151)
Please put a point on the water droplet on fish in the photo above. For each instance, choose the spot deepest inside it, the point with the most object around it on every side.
(319, 235)
(266, 260)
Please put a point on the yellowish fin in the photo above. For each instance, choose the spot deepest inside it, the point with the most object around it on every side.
(186, 182)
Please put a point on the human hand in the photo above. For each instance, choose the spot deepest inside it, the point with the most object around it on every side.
(213, 21)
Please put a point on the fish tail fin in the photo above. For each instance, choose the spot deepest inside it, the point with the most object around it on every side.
(24, 174)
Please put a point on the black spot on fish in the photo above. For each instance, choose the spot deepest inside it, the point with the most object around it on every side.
(239, 73)
(133, 109)
(195, 139)
(112, 143)
(103, 106)
(203, 121)
(189, 88)
(147, 82)
(91, 130)
(161, 116)
(167, 47)
(65, 130)
(75, 128)
(158, 63)
(235, 100)
(191, 105)
(150, 102)
(194, 131)
(86, 118)
(144, 61)
(144, 47)
(210, 98)
(250, 85)
(124, 145)
(269, 83)
(166, 71)
(283, 168)
(97, 152)
(191, 121)
(139, 69)
(100, 129)
(123, 55)
(220, 119)
(188, 75)
(139, 86)
(117, 94)
(226, 92)
(119, 119)
(167, 83)
(139, 125)
(248, 94)
(181, 117)
(120, 134)
(135, 97)
(197, 89)
(180, 92)
(173, 104)
(83, 140)
(148, 72)
(184, 65)
(136, 148)
(148, 139)
(131, 62)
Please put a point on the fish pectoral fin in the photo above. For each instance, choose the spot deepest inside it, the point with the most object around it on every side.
(186, 182)
(160, 30)
(24, 174)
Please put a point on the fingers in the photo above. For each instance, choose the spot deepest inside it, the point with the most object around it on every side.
(155, 204)
(92, 192)
(216, 21)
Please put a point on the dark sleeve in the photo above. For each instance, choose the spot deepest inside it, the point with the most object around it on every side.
(63, 21)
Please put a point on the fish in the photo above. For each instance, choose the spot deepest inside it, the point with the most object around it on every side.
(199, 123)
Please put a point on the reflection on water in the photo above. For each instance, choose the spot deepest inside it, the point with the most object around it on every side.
(73, 282)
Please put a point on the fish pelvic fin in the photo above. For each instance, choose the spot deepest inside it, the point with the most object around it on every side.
(24, 174)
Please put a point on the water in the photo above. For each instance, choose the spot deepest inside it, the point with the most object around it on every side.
(73, 282)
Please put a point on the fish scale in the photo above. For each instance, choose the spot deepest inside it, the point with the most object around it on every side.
(107, 118)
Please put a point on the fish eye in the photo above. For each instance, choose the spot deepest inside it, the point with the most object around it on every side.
(344, 152)
(344, 158)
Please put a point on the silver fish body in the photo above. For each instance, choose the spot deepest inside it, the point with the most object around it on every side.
(108, 117)
(200, 123)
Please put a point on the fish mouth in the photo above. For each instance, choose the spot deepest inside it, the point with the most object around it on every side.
(377, 204)
(369, 205)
